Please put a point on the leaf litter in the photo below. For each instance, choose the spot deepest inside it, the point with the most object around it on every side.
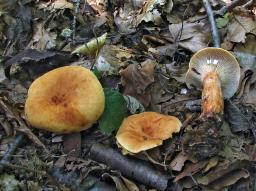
(140, 52)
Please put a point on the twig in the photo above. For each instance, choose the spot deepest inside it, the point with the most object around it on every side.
(74, 21)
(11, 149)
(135, 169)
(214, 30)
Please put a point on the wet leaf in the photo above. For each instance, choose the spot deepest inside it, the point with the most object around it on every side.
(114, 113)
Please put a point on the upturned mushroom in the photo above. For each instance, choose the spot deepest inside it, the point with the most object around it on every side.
(146, 130)
(65, 100)
(217, 72)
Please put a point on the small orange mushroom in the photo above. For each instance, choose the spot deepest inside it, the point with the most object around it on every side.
(217, 72)
(146, 130)
(64, 100)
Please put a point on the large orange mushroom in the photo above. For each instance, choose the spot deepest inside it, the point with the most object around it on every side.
(64, 100)
(146, 130)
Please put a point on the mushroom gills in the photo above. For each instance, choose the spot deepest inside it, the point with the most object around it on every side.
(212, 99)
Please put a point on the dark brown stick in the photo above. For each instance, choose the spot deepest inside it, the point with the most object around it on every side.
(137, 170)
(214, 30)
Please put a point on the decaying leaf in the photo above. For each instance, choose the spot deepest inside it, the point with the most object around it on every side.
(179, 161)
(224, 175)
(191, 169)
(238, 122)
(136, 78)
(35, 62)
(42, 39)
(192, 36)
(111, 58)
(150, 12)
(240, 25)
(134, 105)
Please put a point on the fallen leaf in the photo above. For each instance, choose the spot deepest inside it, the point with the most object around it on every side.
(251, 152)
(114, 113)
(61, 4)
(239, 26)
(221, 171)
(111, 58)
(229, 179)
(211, 164)
(133, 105)
(136, 78)
(92, 47)
(72, 144)
(150, 13)
(35, 62)
(192, 36)
(238, 122)
(42, 39)
(191, 169)
(179, 161)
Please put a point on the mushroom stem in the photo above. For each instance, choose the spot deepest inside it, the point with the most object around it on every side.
(212, 99)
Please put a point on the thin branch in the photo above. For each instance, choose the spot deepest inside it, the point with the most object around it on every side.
(74, 21)
(214, 30)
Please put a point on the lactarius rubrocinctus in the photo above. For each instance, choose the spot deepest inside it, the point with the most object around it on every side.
(217, 72)
(146, 130)
(65, 100)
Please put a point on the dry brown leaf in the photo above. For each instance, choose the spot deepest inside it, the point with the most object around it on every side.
(42, 39)
(194, 36)
(251, 152)
(179, 161)
(191, 169)
(229, 179)
(239, 26)
(62, 4)
(136, 78)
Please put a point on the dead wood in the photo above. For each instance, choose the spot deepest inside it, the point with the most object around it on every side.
(135, 169)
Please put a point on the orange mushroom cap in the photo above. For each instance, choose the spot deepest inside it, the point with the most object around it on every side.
(146, 130)
(64, 100)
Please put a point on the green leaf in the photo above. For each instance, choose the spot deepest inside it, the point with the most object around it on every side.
(223, 21)
(114, 113)
(97, 73)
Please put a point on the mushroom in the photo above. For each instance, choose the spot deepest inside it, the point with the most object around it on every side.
(146, 130)
(217, 72)
(65, 100)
